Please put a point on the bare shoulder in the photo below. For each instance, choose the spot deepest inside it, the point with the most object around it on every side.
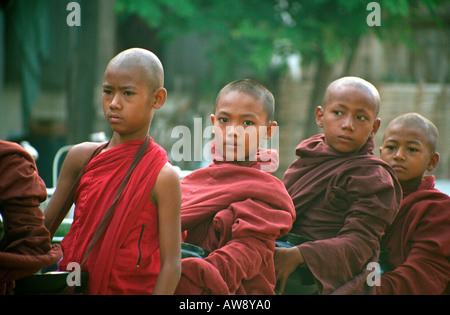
(167, 183)
(168, 176)
(70, 169)
(79, 154)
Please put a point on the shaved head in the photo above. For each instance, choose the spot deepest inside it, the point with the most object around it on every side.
(356, 83)
(420, 123)
(148, 64)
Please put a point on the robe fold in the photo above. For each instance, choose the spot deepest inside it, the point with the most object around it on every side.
(418, 243)
(27, 247)
(236, 213)
(125, 260)
(345, 202)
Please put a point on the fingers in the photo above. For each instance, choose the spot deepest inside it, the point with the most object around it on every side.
(282, 284)
(7, 288)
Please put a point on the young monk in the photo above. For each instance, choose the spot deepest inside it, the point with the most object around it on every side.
(344, 196)
(233, 208)
(139, 250)
(418, 241)
(25, 246)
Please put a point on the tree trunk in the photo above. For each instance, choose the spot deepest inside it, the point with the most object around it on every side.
(82, 74)
(321, 81)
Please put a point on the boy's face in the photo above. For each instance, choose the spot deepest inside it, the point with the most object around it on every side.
(406, 149)
(127, 102)
(348, 119)
(237, 123)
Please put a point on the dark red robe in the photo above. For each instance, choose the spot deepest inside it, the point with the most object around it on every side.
(27, 247)
(126, 258)
(237, 213)
(345, 202)
(418, 243)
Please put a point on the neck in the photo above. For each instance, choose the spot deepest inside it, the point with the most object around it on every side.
(117, 139)
(410, 184)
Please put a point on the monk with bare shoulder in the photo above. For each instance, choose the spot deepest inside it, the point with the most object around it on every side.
(139, 251)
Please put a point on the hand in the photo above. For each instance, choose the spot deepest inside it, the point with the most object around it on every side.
(7, 288)
(286, 261)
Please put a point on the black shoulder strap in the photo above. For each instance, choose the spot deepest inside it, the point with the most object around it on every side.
(108, 214)
(69, 199)
(2, 227)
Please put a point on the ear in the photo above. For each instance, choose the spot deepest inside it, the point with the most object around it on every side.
(271, 128)
(375, 127)
(159, 98)
(213, 119)
(319, 116)
(434, 160)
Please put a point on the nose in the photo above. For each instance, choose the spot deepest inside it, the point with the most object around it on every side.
(233, 131)
(347, 123)
(399, 154)
(115, 102)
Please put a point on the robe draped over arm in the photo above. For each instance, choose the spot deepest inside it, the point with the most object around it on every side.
(418, 243)
(27, 247)
(237, 213)
(345, 202)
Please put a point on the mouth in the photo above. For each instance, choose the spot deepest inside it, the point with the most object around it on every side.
(114, 118)
(231, 146)
(345, 138)
(397, 167)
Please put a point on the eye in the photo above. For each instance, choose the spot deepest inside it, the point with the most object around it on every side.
(248, 123)
(361, 118)
(128, 93)
(222, 119)
(107, 92)
(390, 147)
(411, 149)
(337, 112)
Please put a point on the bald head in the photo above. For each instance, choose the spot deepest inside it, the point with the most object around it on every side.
(419, 123)
(146, 62)
(357, 83)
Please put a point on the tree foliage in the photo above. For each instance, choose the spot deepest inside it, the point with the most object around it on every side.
(245, 35)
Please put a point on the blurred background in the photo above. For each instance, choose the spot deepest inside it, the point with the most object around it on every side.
(51, 71)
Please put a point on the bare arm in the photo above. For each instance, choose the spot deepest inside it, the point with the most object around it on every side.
(166, 195)
(70, 169)
(286, 261)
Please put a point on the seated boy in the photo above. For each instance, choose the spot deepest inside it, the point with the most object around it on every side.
(233, 208)
(418, 241)
(344, 197)
(139, 250)
(25, 248)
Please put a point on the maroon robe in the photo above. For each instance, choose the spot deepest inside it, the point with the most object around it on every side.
(418, 243)
(237, 213)
(345, 202)
(27, 247)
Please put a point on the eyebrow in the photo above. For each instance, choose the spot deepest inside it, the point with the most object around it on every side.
(249, 115)
(359, 110)
(408, 142)
(222, 112)
(126, 87)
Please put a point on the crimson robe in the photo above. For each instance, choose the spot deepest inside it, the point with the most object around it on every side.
(125, 260)
(237, 213)
(418, 243)
(345, 202)
(27, 247)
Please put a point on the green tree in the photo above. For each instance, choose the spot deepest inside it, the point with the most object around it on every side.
(245, 35)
